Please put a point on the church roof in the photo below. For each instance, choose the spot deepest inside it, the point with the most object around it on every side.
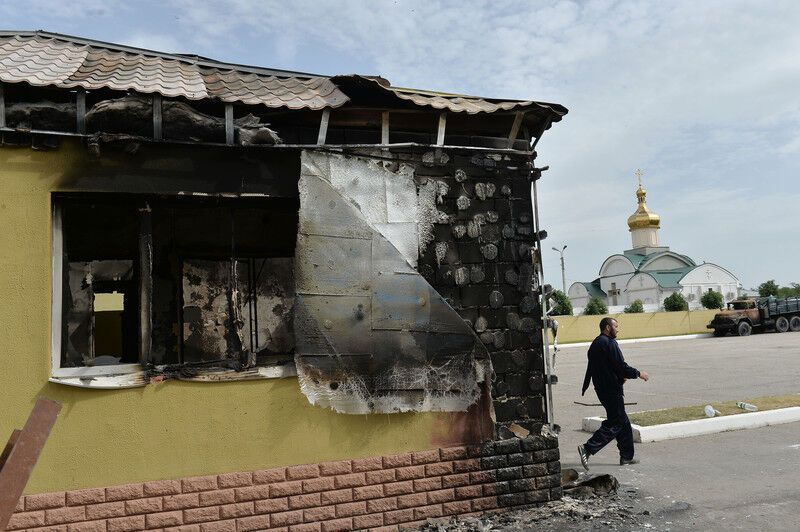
(594, 289)
(636, 258)
(653, 256)
(670, 278)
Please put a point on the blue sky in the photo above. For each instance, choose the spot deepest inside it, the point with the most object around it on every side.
(703, 96)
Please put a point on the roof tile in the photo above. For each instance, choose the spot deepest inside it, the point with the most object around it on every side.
(44, 60)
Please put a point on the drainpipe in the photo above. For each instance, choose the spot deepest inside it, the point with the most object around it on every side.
(539, 287)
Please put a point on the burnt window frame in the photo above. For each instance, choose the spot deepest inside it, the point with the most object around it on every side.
(123, 375)
(57, 311)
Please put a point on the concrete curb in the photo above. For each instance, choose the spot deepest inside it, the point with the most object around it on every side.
(640, 340)
(699, 427)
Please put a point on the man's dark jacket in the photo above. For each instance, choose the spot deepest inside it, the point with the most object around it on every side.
(607, 368)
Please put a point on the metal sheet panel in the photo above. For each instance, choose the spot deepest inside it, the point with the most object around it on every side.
(333, 325)
(404, 238)
(332, 265)
(395, 347)
(331, 214)
(401, 302)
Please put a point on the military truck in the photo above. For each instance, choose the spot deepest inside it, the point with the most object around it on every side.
(743, 316)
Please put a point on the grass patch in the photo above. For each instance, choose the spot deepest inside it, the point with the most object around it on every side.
(727, 408)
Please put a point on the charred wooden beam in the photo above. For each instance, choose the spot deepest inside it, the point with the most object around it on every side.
(80, 108)
(442, 127)
(145, 283)
(323, 126)
(229, 128)
(57, 310)
(2, 107)
(385, 127)
(545, 125)
(157, 125)
(512, 136)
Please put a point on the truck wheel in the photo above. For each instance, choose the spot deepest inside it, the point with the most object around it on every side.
(794, 324)
(781, 324)
(722, 332)
(744, 329)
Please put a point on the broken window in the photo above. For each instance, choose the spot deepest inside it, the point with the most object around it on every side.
(100, 295)
(164, 281)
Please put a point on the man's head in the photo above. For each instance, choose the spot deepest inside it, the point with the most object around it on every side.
(609, 327)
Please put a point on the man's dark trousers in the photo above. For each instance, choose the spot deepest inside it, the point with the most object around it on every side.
(616, 425)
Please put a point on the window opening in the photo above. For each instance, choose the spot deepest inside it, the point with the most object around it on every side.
(206, 281)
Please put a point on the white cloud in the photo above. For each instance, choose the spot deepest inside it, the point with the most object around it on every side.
(702, 95)
(47, 10)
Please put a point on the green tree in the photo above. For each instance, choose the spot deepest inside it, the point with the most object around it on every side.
(634, 308)
(789, 291)
(768, 288)
(595, 307)
(562, 305)
(712, 300)
(675, 302)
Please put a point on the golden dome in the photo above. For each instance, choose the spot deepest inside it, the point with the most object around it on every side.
(643, 217)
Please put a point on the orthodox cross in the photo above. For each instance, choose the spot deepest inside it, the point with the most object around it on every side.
(639, 175)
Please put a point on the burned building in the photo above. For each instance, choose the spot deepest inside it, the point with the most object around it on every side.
(206, 250)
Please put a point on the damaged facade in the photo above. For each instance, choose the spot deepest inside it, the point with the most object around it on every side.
(376, 247)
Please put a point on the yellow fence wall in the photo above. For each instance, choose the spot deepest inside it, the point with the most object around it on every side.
(167, 430)
(573, 329)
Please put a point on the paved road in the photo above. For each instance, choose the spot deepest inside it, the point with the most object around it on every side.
(746, 480)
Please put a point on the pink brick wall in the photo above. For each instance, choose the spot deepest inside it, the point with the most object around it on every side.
(380, 493)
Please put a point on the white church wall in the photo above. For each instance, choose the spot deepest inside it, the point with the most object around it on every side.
(614, 275)
(643, 287)
(619, 309)
(615, 282)
(578, 296)
(616, 265)
(707, 277)
(645, 237)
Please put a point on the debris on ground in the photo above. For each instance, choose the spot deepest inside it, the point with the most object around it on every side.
(590, 502)
(582, 485)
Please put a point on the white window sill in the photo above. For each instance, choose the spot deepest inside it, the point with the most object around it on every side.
(132, 376)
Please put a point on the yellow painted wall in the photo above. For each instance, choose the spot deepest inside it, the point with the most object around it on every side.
(650, 324)
(167, 430)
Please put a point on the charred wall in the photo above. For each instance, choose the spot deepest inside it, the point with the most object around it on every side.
(469, 238)
(480, 261)
(442, 239)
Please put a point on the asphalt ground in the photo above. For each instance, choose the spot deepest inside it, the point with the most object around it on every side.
(740, 480)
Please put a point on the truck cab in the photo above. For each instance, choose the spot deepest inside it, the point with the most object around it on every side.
(741, 316)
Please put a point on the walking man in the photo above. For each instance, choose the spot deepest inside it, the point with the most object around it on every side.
(608, 371)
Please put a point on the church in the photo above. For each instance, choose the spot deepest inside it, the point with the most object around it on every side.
(651, 272)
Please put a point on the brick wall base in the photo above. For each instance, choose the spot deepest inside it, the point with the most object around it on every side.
(381, 493)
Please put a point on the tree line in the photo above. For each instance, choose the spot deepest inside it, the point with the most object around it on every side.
(675, 302)
(771, 288)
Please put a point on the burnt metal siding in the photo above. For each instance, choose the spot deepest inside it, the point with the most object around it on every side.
(374, 325)
(372, 335)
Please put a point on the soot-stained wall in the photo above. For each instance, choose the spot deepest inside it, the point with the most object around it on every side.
(411, 269)
(480, 262)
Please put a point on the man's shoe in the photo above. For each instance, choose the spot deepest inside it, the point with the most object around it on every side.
(584, 457)
(632, 461)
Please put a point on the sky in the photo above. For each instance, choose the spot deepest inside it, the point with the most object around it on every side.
(701, 95)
